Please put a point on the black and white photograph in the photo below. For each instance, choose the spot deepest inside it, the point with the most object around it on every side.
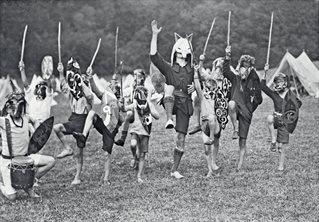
(159, 110)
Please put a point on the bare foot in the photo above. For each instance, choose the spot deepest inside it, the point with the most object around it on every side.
(76, 181)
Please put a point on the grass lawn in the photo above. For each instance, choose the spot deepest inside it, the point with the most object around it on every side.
(259, 193)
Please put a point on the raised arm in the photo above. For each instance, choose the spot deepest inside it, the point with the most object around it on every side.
(263, 84)
(197, 82)
(64, 85)
(155, 32)
(156, 58)
(95, 89)
(226, 66)
(23, 75)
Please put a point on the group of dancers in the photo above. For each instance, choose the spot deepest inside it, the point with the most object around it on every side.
(220, 92)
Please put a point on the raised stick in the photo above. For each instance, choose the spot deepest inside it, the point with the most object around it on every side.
(228, 27)
(269, 41)
(23, 42)
(59, 42)
(210, 32)
(96, 51)
(115, 53)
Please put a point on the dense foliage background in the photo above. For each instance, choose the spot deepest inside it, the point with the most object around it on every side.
(296, 27)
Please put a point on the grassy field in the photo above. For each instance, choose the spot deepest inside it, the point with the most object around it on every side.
(259, 193)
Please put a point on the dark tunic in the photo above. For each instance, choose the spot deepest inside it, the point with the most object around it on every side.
(179, 77)
(246, 93)
(289, 106)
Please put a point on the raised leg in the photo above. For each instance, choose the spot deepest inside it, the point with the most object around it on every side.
(59, 130)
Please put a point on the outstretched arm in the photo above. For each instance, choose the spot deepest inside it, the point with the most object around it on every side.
(155, 32)
(23, 75)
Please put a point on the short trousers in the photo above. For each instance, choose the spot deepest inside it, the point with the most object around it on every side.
(206, 130)
(75, 123)
(108, 137)
(243, 126)
(142, 142)
(6, 172)
(282, 135)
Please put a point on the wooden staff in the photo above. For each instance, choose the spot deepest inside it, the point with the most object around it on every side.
(96, 51)
(269, 41)
(59, 42)
(23, 42)
(115, 53)
(121, 65)
(210, 32)
(228, 26)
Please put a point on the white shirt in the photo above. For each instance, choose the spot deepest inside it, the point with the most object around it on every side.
(38, 109)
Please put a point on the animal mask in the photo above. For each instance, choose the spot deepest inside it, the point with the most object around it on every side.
(15, 105)
(281, 82)
(75, 79)
(184, 47)
(41, 89)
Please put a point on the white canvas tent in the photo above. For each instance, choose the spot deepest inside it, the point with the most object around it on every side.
(300, 69)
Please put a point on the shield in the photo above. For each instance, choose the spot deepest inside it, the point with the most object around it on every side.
(40, 136)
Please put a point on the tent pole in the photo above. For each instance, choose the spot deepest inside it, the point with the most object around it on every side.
(293, 77)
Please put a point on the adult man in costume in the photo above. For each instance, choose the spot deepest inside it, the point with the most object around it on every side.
(179, 74)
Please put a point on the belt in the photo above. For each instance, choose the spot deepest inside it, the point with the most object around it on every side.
(8, 157)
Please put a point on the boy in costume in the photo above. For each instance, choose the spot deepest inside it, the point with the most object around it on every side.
(286, 114)
(40, 98)
(108, 128)
(224, 85)
(208, 96)
(17, 122)
(179, 74)
(140, 76)
(245, 97)
(143, 111)
(76, 87)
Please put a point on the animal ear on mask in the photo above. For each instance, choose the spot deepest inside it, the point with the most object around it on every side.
(177, 36)
(189, 37)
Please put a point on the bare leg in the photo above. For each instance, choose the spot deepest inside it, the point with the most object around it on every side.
(107, 168)
(140, 167)
(208, 155)
(197, 117)
(169, 105)
(215, 153)
(233, 117)
(282, 155)
(67, 151)
(134, 153)
(46, 163)
(212, 128)
(79, 165)
(88, 123)
(126, 125)
(178, 153)
(242, 152)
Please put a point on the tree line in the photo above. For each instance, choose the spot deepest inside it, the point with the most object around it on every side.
(83, 22)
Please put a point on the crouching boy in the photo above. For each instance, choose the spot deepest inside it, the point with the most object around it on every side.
(14, 125)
